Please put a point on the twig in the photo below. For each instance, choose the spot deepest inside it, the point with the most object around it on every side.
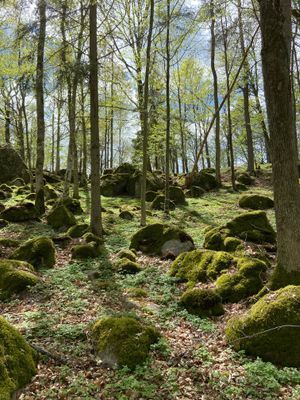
(54, 357)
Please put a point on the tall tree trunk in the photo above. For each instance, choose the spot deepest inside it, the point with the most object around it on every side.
(112, 113)
(245, 90)
(59, 107)
(276, 45)
(84, 138)
(96, 217)
(145, 126)
(40, 144)
(216, 98)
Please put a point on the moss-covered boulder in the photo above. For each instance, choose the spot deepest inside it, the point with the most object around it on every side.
(4, 195)
(126, 214)
(161, 240)
(90, 237)
(202, 302)
(60, 217)
(201, 265)
(153, 182)
(256, 202)
(49, 192)
(7, 242)
(159, 203)
(11, 165)
(126, 266)
(114, 184)
(86, 250)
(39, 252)
(15, 276)
(73, 205)
(125, 253)
(203, 179)
(125, 168)
(123, 340)
(77, 231)
(232, 244)
(246, 281)
(19, 213)
(23, 190)
(177, 195)
(150, 195)
(6, 188)
(270, 329)
(252, 226)
(195, 191)
(17, 361)
(245, 178)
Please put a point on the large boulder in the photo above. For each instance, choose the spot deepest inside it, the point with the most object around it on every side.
(153, 182)
(72, 205)
(201, 265)
(12, 166)
(40, 252)
(17, 361)
(15, 276)
(245, 178)
(202, 302)
(60, 217)
(159, 203)
(256, 202)
(114, 184)
(177, 195)
(161, 240)
(203, 179)
(123, 340)
(251, 226)
(270, 329)
(21, 212)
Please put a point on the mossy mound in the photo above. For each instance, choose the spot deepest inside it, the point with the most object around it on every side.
(16, 276)
(60, 217)
(245, 178)
(245, 282)
(114, 184)
(150, 195)
(49, 192)
(159, 203)
(4, 195)
(162, 240)
(252, 226)
(6, 188)
(177, 195)
(126, 266)
(87, 250)
(195, 191)
(3, 223)
(138, 293)
(124, 253)
(256, 202)
(123, 340)
(12, 165)
(23, 190)
(126, 214)
(232, 243)
(17, 361)
(89, 237)
(240, 187)
(2, 207)
(30, 197)
(202, 302)
(202, 179)
(18, 182)
(78, 230)
(6, 242)
(73, 205)
(39, 252)
(125, 168)
(270, 329)
(201, 265)
(19, 213)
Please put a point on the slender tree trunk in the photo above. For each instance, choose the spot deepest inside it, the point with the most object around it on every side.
(96, 217)
(57, 158)
(112, 113)
(7, 122)
(84, 138)
(145, 125)
(53, 142)
(40, 144)
(276, 45)
(216, 94)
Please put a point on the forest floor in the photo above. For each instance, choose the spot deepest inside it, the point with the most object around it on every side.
(191, 361)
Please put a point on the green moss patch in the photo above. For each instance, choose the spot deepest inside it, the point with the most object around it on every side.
(40, 252)
(16, 276)
(78, 230)
(202, 302)
(60, 217)
(126, 266)
(19, 213)
(256, 202)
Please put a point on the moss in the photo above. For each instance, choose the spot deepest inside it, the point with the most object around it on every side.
(73, 205)
(125, 266)
(2, 207)
(177, 195)
(125, 214)
(84, 251)
(150, 195)
(159, 203)
(125, 168)
(23, 190)
(202, 179)
(202, 302)
(200, 265)
(137, 293)
(195, 191)
(15, 276)
(77, 230)
(153, 182)
(17, 361)
(19, 213)
(232, 243)
(114, 184)
(60, 217)
(245, 178)
(3, 223)
(240, 187)
(90, 237)
(40, 252)
(281, 277)
(245, 282)
(154, 239)
(49, 192)
(270, 329)
(6, 242)
(124, 253)
(256, 202)
(6, 188)
(123, 340)
(252, 226)
(30, 197)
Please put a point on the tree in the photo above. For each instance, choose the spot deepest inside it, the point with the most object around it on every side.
(276, 53)
(40, 143)
(96, 217)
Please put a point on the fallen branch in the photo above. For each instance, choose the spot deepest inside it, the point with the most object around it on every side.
(46, 353)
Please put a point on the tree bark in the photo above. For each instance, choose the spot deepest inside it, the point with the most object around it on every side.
(276, 53)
